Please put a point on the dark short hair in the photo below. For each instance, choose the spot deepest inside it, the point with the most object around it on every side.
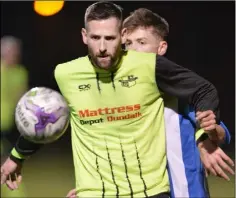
(143, 17)
(103, 10)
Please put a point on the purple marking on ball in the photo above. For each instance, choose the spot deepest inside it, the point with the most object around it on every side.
(43, 118)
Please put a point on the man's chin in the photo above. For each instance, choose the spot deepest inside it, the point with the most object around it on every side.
(102, 64)
(105, 66)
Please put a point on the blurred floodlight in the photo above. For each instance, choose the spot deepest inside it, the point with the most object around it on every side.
(48, 8)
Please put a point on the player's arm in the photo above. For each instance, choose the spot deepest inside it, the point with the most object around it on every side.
(221, 131)
(185, 84)
(218, 134)
(222, 135)
(206, 120)
(11, 168)
(23, 149)
(227, 136)
(214, 159)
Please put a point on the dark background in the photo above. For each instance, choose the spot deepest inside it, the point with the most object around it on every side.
(202, 38)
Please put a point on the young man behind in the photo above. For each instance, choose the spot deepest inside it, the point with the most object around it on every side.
(146, 31)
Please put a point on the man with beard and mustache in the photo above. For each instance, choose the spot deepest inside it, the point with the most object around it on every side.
(117, 112)
(146, 31)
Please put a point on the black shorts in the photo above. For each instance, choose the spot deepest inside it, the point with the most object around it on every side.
(161, 195)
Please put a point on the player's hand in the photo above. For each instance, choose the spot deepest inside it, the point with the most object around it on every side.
(207, 120)
(71, 194)
(11, 174)
(215, 160)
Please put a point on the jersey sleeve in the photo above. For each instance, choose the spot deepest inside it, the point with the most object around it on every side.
(23, 149)
(60, 75)
(186, 85)
(198, 134)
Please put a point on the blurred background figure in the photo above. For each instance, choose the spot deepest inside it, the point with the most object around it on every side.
(14, 83)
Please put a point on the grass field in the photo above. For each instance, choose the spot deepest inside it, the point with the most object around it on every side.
(50, 173)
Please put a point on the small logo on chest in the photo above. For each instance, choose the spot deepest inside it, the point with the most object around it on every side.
(128, 81)
(84, 87)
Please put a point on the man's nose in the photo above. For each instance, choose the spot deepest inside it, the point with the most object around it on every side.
(135, 47)
(102, 47)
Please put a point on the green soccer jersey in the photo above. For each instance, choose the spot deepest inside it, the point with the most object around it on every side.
(118, 134)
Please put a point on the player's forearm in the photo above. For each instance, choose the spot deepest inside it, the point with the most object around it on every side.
(219, 136)
(180, 82)
(221, 132)
(23, 149)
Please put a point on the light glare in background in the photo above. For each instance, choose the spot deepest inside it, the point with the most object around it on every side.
(48, 8)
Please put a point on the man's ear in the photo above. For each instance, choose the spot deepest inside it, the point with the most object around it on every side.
(123, 35)
(162, 48)
(84, 36)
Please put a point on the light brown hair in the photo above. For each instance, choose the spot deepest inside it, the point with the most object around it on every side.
(143, 17)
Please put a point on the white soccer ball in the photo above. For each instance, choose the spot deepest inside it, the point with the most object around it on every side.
(42, 115)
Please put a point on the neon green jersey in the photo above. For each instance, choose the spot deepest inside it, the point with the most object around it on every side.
(118, 134)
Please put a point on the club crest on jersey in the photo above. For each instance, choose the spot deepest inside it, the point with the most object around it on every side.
(128, 81)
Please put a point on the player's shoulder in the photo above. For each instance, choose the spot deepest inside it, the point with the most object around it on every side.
(70, 66)
(142, 56)
(143, 63)
(142, 60)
